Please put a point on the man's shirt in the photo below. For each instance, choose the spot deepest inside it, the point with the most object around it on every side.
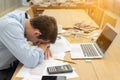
(13, 43)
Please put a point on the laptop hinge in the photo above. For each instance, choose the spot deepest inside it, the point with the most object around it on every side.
(98, 49)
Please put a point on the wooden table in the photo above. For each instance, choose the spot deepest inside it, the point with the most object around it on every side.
(107, 68)
(37, 9)
(67, 18)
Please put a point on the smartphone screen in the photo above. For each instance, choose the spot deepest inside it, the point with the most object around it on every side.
(54, 78)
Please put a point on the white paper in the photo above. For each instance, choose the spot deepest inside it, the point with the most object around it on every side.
(40, 70)
(60, 47)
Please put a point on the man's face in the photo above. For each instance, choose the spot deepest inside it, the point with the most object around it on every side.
(33, 37)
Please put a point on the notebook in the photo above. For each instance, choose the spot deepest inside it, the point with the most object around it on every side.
(95, 49)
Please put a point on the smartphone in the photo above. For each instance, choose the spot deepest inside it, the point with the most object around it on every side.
(53, 77)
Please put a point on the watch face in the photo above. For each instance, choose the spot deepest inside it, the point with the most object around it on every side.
(54, 78)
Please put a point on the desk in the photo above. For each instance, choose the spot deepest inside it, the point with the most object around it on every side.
(37, 9)
(107, 68)
(67, 18)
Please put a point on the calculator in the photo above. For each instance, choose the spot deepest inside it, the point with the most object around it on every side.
(59, 69)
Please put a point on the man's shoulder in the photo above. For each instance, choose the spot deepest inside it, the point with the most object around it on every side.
(8, 23)
(14, 18)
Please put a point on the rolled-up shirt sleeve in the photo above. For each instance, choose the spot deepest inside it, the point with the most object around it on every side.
(12, 36)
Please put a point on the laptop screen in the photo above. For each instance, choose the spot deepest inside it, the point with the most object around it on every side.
(106, 37)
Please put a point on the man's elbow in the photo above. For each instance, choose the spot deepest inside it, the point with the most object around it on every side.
(32, 64)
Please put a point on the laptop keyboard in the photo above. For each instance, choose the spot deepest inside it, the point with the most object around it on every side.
(88, 50)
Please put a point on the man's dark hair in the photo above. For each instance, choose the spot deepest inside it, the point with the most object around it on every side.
(47, 26)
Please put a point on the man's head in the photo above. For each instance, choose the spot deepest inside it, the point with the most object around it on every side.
(46, 26)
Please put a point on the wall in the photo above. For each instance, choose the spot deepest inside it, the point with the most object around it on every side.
(8, 5)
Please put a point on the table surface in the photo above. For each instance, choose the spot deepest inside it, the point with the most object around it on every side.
(107, 68)
(38, 9)
(67, 18)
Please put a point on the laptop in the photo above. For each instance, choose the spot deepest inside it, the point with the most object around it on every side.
(95, 49)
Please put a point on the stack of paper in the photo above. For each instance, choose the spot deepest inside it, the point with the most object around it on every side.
(40, 70)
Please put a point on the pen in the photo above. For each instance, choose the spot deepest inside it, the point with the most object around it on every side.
(65, 60)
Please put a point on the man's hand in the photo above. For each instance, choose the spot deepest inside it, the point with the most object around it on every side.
(47, 52)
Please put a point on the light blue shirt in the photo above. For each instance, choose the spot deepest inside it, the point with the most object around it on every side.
(13, 43)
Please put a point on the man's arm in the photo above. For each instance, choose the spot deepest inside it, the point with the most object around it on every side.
(12, 36)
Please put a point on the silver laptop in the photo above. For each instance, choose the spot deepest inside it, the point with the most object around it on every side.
(96, 49)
